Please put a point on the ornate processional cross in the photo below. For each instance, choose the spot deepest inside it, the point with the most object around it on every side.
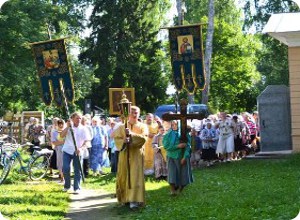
(183, 117)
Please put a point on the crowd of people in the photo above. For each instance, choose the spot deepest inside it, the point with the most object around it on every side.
(144, 147)
(94, 147)
(225, 138)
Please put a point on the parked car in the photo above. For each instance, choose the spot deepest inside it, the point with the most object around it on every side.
(191, 109)
(197, 109)
(164, 109)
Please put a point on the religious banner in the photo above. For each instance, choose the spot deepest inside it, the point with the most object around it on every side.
(187, 57)
(53, 70)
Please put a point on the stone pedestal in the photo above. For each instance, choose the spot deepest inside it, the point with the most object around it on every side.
(275, 119)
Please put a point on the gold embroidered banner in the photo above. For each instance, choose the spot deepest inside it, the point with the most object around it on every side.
(52, 65)
(187, 57)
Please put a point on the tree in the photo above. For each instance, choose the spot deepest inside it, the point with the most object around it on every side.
(20, 25)
(233, 75)
(258, 12)
(208, 50)
(124, 50)
(273, 59)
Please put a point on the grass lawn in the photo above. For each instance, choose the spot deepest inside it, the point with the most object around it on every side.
(23, 201)
(247, 189)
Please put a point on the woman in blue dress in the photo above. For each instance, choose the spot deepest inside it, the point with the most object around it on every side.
(99, 146)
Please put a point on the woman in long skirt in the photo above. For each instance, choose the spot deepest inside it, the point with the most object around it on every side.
(178, 160)
(99, 146)
(160, 165)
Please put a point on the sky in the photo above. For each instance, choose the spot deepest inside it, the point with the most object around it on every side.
(2, 2)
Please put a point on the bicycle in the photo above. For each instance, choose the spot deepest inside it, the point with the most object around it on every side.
(36, 167)
(5, 140)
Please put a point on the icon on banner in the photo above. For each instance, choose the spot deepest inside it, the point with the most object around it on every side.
(51, 59)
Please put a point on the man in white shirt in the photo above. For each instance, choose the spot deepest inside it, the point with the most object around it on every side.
(69, 152)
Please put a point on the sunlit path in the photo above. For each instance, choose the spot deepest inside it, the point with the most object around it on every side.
(92, 205)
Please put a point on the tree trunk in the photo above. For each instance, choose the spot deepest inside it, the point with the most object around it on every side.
(208, 50)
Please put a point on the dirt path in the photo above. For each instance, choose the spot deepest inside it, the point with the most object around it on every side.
(92, 205)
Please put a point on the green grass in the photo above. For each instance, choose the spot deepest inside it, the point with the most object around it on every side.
(23, 199)
(105, 183)
(248, 189)
(33, 201)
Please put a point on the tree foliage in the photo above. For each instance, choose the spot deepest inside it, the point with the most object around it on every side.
(124, 50)
(258, 12)
(25, 22)
(233, 72)
(234, 75)
(273, 59)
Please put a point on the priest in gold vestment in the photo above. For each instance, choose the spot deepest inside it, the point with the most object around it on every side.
(130, 176)
(149, 152)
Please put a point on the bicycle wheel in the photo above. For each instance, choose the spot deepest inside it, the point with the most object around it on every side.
(39, 167)
(5, 167)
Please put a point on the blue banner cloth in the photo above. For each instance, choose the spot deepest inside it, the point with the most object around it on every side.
(53, 71)
(187, 57)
